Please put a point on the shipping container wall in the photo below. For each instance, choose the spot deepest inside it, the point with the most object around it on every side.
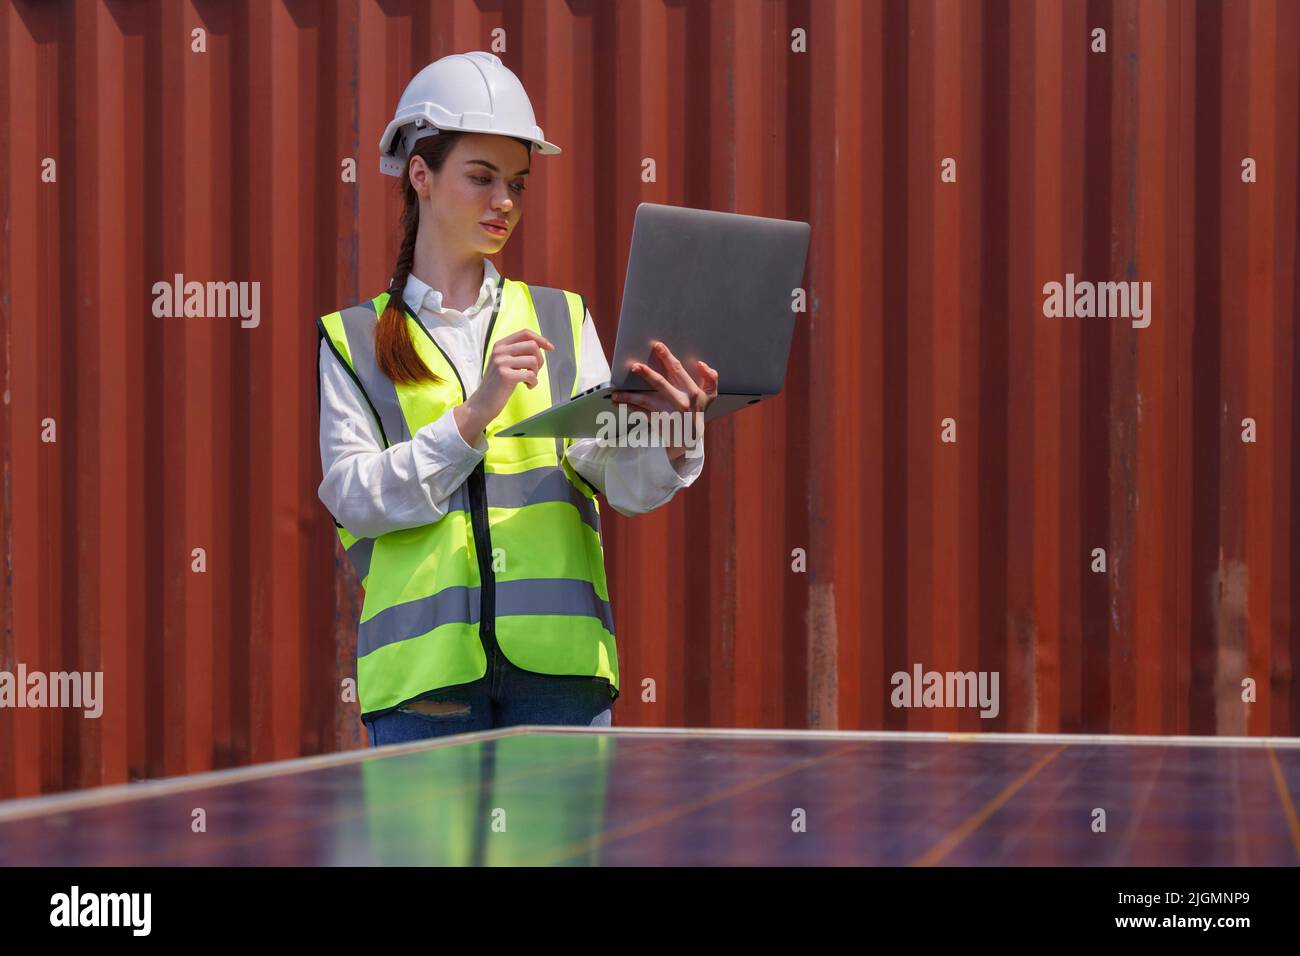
(969, 470)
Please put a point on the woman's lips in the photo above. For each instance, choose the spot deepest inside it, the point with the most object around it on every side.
(495, 230)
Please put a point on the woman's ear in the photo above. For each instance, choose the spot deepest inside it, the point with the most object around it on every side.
(420, 176)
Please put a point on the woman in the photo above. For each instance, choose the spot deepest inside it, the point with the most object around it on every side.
(481, 557)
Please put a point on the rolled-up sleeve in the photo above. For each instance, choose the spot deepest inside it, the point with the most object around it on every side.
(633, 480)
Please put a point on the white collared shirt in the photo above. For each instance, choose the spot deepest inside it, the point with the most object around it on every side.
(371, 490)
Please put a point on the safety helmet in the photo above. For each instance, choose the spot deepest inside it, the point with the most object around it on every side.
(464, 92)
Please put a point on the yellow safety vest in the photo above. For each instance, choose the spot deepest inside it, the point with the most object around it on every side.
(517, 563)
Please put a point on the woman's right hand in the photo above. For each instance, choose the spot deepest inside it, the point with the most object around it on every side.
(516, 358)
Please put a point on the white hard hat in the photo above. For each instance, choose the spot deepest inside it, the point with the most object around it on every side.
(464, 92)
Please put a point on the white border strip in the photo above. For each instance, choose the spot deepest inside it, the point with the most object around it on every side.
(932, 736)
(118, 793)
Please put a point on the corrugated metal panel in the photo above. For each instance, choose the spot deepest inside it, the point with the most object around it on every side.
(926, 303)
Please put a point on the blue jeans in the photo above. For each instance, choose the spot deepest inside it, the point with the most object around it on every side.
(504, 697)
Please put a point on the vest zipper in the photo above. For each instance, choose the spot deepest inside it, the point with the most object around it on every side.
(478, 512)
(479, 518)
(477, 482)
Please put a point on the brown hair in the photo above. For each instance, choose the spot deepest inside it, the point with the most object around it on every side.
(394, 351)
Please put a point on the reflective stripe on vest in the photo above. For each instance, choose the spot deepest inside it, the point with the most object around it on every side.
(359, 326)
(434, 606)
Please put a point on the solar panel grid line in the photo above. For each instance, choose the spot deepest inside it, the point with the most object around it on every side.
(1240, 802)
(1284, 795)
(671, 813)
(1037, 808)
(936, 853)
(1130, 831)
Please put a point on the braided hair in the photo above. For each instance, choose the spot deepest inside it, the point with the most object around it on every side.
(394, 351)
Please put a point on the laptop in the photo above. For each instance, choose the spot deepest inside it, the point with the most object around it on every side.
(713, 286)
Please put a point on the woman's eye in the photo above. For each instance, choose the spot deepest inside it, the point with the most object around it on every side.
(484, 180)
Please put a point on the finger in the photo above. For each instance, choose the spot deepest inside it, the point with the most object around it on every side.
(527, 335)
(707, 378)
(510, 351)
(661, 384)
(629, 398)
(531, 362)
(697, 395)
(708, 388)
(673, 366)
(634, 406)
(523, 347)
(649, 402)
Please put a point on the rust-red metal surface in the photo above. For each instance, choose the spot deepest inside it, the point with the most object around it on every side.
(926, 303)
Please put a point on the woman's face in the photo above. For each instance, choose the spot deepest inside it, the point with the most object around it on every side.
(481, 183)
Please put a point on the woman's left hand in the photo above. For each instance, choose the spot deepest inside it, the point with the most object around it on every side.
(676, 392)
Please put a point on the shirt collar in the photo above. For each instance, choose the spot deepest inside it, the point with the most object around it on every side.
(419, 294)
